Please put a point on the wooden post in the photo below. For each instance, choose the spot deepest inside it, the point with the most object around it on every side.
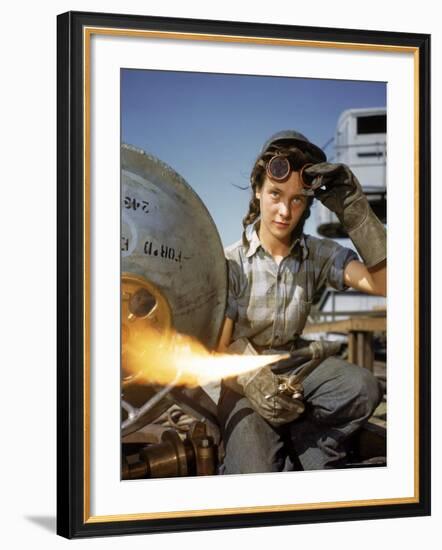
(360, 346)
(368, 351)
(352, 358)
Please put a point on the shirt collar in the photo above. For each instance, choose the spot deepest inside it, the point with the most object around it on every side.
(251, 236)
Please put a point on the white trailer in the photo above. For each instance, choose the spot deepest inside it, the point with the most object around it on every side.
(360, 142)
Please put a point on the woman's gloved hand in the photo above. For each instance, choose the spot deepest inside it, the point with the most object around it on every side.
(338, 189)
(262, 390)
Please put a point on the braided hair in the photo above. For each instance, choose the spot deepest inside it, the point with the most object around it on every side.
(297, 159)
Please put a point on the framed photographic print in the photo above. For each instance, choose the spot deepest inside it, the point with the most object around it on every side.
(224, 226)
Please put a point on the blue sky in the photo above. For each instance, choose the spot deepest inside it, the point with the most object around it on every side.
(210, 127)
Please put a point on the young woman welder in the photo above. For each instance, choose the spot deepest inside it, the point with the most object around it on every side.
(274, 272)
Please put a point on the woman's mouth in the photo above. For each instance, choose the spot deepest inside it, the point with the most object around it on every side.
(281, 225)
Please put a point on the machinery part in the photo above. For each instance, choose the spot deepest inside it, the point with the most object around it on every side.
(205, 458)
(165, 459)
(136, 397)
(173, 457)
(151, 433)
(169, 238)
(196, 403)
(136, 470)
(203, 448)
(141, 303)
(153, 401)
(169, 458)
(178, 420)
(135, 414)
(174, 274)
(143, 307)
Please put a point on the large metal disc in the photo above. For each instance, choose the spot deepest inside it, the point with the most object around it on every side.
(170, 239)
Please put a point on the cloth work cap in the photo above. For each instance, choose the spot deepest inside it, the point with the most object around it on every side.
(297, 138)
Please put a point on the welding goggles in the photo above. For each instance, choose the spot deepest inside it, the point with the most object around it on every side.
(278, 169)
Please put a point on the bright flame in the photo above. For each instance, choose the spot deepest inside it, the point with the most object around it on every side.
(152, 358)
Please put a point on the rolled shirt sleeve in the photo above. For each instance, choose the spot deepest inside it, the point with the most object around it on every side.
(334, 258)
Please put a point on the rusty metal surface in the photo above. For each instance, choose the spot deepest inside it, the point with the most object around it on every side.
(169, 238)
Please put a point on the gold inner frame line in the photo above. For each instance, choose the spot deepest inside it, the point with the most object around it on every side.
(416, 275)
(87, 34)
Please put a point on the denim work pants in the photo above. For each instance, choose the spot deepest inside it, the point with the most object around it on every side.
(339, 398)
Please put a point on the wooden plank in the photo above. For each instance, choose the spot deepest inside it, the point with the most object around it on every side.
(365, 324)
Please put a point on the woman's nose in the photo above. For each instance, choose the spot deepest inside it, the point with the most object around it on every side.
(284, 210)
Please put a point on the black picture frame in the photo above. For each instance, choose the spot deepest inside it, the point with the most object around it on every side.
(73, 519)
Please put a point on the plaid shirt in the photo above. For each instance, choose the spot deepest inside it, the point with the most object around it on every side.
(270, 303)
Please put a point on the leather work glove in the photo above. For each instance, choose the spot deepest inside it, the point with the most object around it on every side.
(338, 189)
(261, 389)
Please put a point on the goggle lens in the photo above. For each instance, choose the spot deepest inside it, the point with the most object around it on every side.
(278, 168)
(307, 181)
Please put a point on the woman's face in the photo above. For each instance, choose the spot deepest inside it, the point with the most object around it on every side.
(282, 206)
